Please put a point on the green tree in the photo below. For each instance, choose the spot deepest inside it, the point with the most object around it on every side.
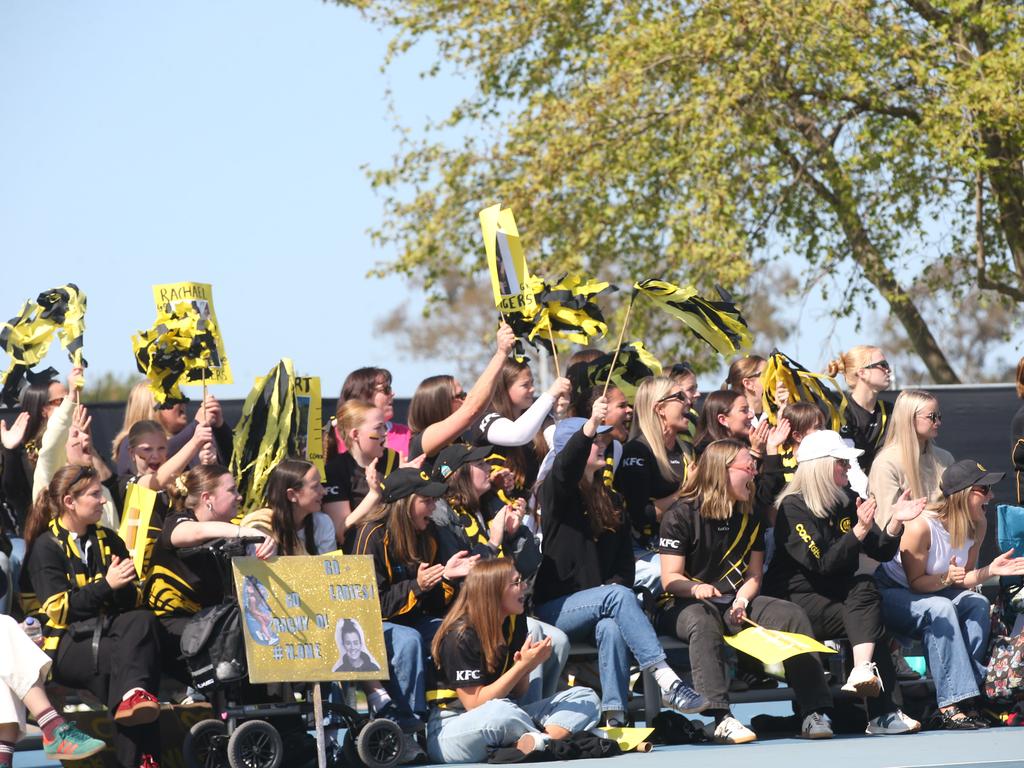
(701, 140)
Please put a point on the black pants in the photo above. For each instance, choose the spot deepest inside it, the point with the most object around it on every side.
(701, 625)
(858, 618)
(129, 657)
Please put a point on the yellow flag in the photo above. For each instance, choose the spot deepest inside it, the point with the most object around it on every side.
(803, 386)
(719, 323)
(628, 739)
(773, 646)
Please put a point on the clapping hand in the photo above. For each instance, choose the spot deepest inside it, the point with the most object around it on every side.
(906, 509)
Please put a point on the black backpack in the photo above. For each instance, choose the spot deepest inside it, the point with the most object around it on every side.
(213, 647)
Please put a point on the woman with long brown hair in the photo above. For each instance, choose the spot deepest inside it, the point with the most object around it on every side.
(712, 558)
(414, 587)
(484, 658)
(87, 593)
(513, 427)
(585, 583)
(441, 410)
(293, 515)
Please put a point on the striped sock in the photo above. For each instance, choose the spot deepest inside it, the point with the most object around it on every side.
(49, 721)
(6, 754)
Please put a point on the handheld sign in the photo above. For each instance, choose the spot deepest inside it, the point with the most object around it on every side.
(506, 262)
(200, 296)
(311, 618)
(310, 417)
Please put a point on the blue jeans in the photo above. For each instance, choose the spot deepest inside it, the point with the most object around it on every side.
(408, 652)
(545, 678)
(611, 617)
(648, 570)
(953, 624)
(457, 736)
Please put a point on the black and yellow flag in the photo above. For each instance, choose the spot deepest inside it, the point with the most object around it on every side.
(179, 348)
(719, 323)
(267, 433)
(803, 386)
(26, 338)
(634, 364)
(568, 311)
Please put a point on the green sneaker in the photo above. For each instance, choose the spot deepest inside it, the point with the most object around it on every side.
(69, 743)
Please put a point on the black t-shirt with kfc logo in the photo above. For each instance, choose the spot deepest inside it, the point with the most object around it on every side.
(346, 480)
(461, 662)
(717, 552)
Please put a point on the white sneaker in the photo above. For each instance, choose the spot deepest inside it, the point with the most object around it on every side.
(864, 680)
(732, 731)
(892, 724)
(816, 726)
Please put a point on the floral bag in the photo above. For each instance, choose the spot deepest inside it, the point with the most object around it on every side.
(1005, 676)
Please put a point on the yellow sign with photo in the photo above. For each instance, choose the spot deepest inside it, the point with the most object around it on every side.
(310, 433)
(311, 618)
(199, 296)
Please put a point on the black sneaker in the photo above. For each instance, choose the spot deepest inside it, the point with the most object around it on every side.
(903, 670)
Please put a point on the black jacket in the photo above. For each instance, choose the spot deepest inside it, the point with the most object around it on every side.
(401, 598)
(65, 589)
(573, 558)
(821, 555)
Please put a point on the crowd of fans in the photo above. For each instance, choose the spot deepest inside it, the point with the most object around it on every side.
(503, 526)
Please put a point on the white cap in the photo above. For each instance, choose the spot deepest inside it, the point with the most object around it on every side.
(825, 443)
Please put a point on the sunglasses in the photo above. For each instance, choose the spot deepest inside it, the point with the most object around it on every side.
(384, 389)
(932, 417)
(984, 490)
(682, 397)
(881, 364)
(750, 469)
(460, 395)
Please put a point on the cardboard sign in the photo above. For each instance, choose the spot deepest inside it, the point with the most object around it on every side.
(311, 618)
(506, 262)
(310, 422)
(200, 297)
(136, 530)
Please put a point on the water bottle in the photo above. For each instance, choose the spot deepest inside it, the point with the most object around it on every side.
(32, 629)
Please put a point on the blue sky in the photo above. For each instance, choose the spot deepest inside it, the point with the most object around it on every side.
(220, 142)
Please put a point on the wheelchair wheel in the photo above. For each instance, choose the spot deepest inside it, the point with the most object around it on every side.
(205, 745)
(379, 743)
(255, 744)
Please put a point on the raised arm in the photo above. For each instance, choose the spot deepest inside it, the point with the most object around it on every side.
(437, 436)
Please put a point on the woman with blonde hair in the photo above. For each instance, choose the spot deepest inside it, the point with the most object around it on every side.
(352, 486)
(928, 589)
(712, 555)
(653, 466)
(867, 374)
(821, 528)
(745, 377)
(484, 658)
(909, 460)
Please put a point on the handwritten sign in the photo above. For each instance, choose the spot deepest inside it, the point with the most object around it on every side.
(506, 262)
(200, 297)
(311, 618)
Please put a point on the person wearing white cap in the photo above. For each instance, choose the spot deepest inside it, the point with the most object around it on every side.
(820, 531)
(927, 589)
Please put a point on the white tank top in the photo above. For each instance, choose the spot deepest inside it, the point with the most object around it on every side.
(939, 554)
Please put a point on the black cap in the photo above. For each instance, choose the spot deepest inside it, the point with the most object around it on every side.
(964, 474)
(456, 456)
(406, 481)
